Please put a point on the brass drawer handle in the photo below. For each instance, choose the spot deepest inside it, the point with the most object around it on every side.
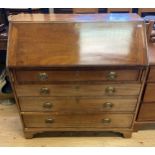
(106, 121)
(44, 91)
(112, 76)
(110, 90)
(43, 76)
(108, 105)
(49, 120)
(47, 105)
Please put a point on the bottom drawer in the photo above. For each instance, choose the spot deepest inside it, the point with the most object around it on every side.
(147, 112)
(77, 121)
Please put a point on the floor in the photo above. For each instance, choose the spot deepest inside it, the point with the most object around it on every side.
(11, 135)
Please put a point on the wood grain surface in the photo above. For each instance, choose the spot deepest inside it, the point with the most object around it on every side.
(77, 105)
(74, 17)
(76, 43)
(151, 76)
(147, 112)
(149, 95)
(32, 76)
(79, 90)
(65, 121)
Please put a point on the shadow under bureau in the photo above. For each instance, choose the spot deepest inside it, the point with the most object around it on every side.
(77, 72)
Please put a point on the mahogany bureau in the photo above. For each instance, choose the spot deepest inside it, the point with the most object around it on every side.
(77, 72)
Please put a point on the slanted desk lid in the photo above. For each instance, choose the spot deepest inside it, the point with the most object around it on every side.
(76, 40)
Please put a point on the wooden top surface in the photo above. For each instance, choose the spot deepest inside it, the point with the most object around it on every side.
(75, 17)
(99, 42)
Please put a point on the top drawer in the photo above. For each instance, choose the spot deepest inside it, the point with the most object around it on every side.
(45, 76)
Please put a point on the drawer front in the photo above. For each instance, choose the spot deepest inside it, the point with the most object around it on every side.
(78, 90)
(151, 77)
(147, 112)
(76, 105)
(77, 121)
(83, 75)
(149, 95)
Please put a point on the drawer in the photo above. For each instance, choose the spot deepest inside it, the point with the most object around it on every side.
(147, 112)
(78, 90)
(149, 95)
(82, 75)
(76, 105)
(151, 77)
(77, 121)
